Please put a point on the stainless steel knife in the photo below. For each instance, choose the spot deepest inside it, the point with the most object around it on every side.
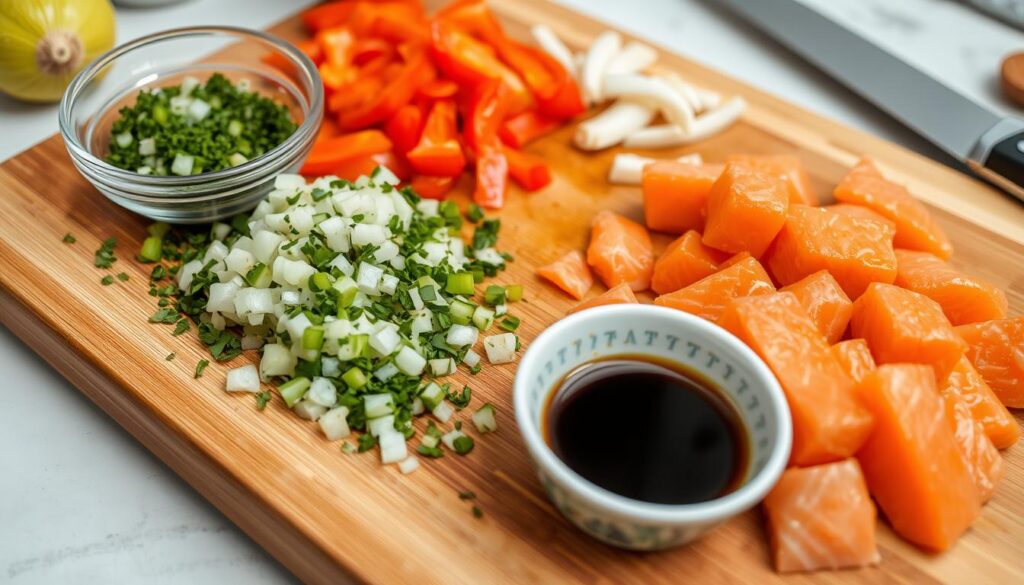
(990, 145)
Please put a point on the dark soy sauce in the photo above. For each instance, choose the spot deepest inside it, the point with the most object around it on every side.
(648, 430)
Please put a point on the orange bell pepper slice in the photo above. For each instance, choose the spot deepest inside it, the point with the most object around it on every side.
(395, 94)
(522, 129)
(337, 44)
(438, 152)
(328, 129)
(432, 187)
(530, 172)
(330, 154)
(474, 17)
(469, 62)
(327, 15)
(439, 88)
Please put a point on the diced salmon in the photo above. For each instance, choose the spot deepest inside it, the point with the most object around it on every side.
(964, 299)
(734, 259)
(860, 212)
(822, 517)
(902, 326)
(786, 169)
(708, 296)
(675, 194)
(911, 461)
(620, 251)
(825, 302)
(746, 209)
(618, 295)
(915, 228)
(986, 408)
(829, 423)
(855, 251)
(569, 273)
(685, 261)
(982, 458)
(996, 349)
(855, 357)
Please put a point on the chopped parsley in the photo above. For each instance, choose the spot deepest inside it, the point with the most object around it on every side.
(180, 327)
(105, 254)
(170, 356)
(107, 280)
(477, 512)
(262, 399)
(467, 495)
(122, 276)
(200, 367)
(68, 239)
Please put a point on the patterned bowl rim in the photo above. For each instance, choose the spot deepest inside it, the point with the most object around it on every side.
(718, 509)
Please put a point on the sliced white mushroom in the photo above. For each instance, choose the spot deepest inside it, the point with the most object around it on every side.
(628, 168)
(601, 52)
(689, 92)
(633, 58)
(708, 124)
(654, 92)
(613, 125)
(552, 45)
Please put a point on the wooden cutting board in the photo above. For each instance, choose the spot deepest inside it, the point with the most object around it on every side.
(331, 517)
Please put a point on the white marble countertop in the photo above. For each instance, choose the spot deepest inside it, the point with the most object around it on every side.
(82, 502)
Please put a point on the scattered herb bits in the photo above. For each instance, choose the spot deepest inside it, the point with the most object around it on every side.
(104, 257)
(107, 280)
(200, 367)
(69, 239)
(170, 356)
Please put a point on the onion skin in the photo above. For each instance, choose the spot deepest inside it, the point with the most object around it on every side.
(45, 43)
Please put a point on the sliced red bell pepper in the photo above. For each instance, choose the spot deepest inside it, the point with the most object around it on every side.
(398, 92)
(394, 21)
(354, 95)
(439, 88)
(468, 62)
(522, 129)
(432, 187)
(530, 172)
(491, 177)
(309, 47)
(336, 76)
(405, 127)
(474, 17)
(366, 50)
(554, 89)
(337, 44)
(327, 155)
(485, 112)
(328, 129)
(438, 152)
(327, 15)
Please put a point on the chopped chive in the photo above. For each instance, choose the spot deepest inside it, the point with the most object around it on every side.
(152, 249)
(509, 324)
(68, 239)
(202, 366)
(514, 292)
(262, 399)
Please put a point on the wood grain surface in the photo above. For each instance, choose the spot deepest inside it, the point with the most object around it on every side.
(331, 517)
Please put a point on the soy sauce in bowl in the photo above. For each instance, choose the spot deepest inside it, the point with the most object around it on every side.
(648, 430)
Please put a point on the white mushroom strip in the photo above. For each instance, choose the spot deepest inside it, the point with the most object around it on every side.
(628, 168)
(600, 53)
(611, 126)
(686, 90)
(708, 99)
(654, 92)
(669, 135)
(633, 58)
(552, 45)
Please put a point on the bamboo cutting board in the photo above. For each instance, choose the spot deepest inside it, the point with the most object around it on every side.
(335, 518)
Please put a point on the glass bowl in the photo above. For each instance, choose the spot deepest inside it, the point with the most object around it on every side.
(91, 103)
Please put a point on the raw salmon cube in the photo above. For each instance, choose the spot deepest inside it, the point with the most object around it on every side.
(911, 461)
(902, 326)
(829, 423)
(708, 296)
(985, 406)
(822, 517)
(982, 458)
(856, 252)
(996, 349)
(675, 194)
(618, 295)
(855, 357)
(786, 169)
(915, 228)
(860, 212)
(569, 273)
(825, 302)
(746, 209)
(620, 251)
(734, 259)
(684, 262)
(964, 299)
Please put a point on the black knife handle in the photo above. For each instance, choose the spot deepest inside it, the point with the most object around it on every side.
(1007, 159)
(998, 156)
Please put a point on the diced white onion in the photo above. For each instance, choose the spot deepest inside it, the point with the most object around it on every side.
(409, 465)
(613, 125)
(334, 424)
(243, 379)
(410, 362)
(601, 52)
(653, 92)
(633, 58)
(705, 126)
(501, 349)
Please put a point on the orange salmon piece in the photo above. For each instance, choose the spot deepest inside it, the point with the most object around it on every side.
(746, 209)
(787, 169)
(708, 296)
(825, 302)
(685, 261)
(964, 299)
(734, 259)
(620, 251)
(829, 423)
(860, 213)
(569, 273)
(618, 295)
(996, 349)
(675, 194)
(855, 251)
(912, 462)
(915, 228)
(822, 517)
(855, 357)
(904, 326)
(985, 406)
(982, 458)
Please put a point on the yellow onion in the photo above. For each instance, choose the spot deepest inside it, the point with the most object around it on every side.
(44, 43)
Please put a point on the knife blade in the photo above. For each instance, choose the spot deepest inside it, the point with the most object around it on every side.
(991, 145)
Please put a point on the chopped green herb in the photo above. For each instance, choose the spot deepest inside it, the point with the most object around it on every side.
(475, 214)
(467, 495)
(486, 234)
(105, 254)
(107, 280)
(159, 273)
(366, 442)
(68, 239)
(262, 399)
(122, 276)
(509, 324)
(463, 444)
(460, 400)
(167, 315)
(180, 327)
(432, 452)
(477, 512)
(202, 366)
(170, 356)
(347, 447)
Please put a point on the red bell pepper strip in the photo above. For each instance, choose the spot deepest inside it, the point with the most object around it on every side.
(432, 187)
(398, 92)
(355, 94)
(337, 44)
(474, 17)
(530, 172)
(328, 129)
(327, 15)
(520, 130)
(309, 47)
(491, 177)
(485, 113)
(327, 155)
(405, 127)
(439, 88)
(438, 152)
(366, 50)
(469, 62)
(555, 90)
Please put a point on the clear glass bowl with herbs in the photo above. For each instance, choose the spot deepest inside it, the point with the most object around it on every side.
(192, 125)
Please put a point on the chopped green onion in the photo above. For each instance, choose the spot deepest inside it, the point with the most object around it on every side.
(460, 283)
(313, 338)
(354, 378)
(262, 399)
(68, 239)
(107, 280)
(509, 323)
(158, 229)
(484, 419)
(483, 318)
(170, 356)
(494, 295)
(293, 390)
(463, 444)
(514, 292)
(152, 249)
(200, 367)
